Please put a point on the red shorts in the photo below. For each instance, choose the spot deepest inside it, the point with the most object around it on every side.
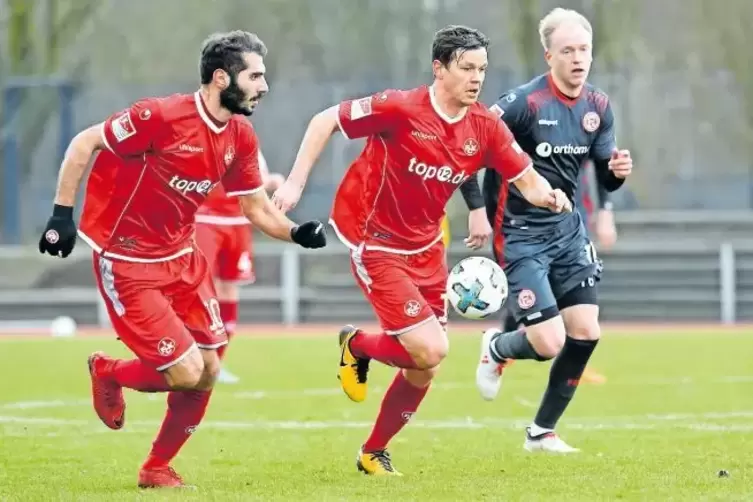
(404, 290)
(228, 251)
(161, 310)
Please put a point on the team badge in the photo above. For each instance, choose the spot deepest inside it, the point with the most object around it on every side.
(526, 299)
(229, 155)
(412, 308)
(591, 121)
(122, 127)
(470, 147)
(166, 346)
(145, 114)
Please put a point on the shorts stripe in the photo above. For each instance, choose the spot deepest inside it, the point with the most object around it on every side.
(108, 285)
(363, 275)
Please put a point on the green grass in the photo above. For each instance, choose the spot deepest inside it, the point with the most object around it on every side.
(674, 411)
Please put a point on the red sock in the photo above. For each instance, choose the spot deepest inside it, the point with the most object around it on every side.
(229, 315)
(185, 409)
(136, 375)
(384, 348)
(398, 406)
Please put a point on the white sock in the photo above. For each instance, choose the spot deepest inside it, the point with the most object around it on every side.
(538, 431)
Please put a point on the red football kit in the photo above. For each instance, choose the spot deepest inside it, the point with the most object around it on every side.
(389, 206)
(224, 235)
(165, 155)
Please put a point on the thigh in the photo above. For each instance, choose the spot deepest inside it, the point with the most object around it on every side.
(391, 290)
(576, 266)
(194, 300)
(235, 262)
(140, 313)
(429, 272)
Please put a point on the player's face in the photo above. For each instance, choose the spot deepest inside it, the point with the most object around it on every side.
(570, 54)
(463, 77)
(246, 88)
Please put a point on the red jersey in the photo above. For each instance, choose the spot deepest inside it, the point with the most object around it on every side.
(165, 156)
(393, 196)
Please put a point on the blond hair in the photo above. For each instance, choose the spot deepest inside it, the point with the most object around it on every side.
(555, 19)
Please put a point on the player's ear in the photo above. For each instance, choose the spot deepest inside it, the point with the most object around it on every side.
(221, 79)
(436, 67)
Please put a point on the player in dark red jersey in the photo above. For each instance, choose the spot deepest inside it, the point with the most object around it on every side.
(422, 144)
(158, 161)
(224, 235)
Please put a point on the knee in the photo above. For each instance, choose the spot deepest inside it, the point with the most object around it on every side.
(547, 339)
(187, 374)
(585, 331)
(429, 356)
(211, 371)
(421, 378)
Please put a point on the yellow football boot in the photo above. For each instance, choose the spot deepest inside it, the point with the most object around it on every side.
(353, 370)
(376, 463)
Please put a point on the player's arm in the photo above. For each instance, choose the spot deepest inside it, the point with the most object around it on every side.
(514, 165)
(513, 110)
(244, 180)
(604, 150)
(77, 158)
(471, 192)
(356, 118)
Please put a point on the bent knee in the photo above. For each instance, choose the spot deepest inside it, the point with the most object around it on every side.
(187, 374)
(589, 331)
(547, 338)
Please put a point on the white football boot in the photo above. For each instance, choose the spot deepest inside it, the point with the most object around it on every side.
(548, 442)
(489, 371)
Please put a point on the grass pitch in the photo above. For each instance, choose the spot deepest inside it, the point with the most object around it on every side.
(675, 410)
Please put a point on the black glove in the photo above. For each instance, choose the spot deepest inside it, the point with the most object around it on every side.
(309, 235)
(59, 236)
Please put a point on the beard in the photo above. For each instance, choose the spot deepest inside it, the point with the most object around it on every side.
(232, 99)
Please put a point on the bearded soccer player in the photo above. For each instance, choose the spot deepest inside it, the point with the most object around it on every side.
(550, 262)
(224, 235)
(421, 145)
(159, 159)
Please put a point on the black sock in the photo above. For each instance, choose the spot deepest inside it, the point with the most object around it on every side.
(513, 345)
(564, 377)
(509, 323)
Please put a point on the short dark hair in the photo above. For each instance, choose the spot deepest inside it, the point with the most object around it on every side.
(224, 51)
(452, 41)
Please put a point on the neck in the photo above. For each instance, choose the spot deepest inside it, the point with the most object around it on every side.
(211, 101)
(446, 104)
(566, 90)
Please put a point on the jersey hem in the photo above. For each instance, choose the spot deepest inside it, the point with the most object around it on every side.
(133, 259)
(368, 247)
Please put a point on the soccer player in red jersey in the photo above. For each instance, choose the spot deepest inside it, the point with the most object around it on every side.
(422, 144)
(158, 161)
(224, 235)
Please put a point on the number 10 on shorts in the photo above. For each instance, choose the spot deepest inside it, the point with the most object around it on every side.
(213, 307)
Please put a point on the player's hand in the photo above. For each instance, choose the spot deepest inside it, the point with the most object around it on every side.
(606, 230)
(59, 236)
(479, 229)
(274, 181)
(621, 163)
(309, 235)
(558, 202)
(287, 196)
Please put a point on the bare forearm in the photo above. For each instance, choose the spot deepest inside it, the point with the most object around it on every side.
(74, 165)
(535, 188)
(270, 220)
(320, 129)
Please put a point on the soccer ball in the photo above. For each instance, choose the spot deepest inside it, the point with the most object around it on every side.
(477, 287)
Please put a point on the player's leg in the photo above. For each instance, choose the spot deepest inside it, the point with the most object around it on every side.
(406, 294)
(536, 332)
(217, 243)
(195, 303)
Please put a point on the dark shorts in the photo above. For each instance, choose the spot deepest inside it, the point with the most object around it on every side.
(543, 267)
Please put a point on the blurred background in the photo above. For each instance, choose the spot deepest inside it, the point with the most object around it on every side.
(677, 71)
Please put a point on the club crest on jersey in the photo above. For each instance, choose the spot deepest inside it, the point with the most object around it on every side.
(591, 121)
(229, 155)
(470, 147)
(122, 127)
(145, 114)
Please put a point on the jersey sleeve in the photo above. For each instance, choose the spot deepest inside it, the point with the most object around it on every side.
(513, 110)
(504, 154)
(244, 177)
(133, 131)
(605, 141)
(369, 116)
